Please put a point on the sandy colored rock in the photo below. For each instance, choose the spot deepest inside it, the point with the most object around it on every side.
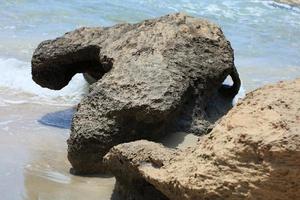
(154, 77)
(290, 2)
(253, 153)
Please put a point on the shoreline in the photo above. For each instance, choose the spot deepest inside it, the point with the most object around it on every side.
(137, 101)
(42, 168)
(39, 168)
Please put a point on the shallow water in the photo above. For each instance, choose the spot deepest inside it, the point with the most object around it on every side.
(33, 159)
(33, 163)
(264, 34)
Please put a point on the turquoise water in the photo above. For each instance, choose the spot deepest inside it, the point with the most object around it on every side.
(265, 35)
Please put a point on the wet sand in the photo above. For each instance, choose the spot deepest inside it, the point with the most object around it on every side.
(33, 157)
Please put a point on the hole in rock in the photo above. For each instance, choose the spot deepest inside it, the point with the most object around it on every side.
(231, 85)
(228, 81)
(56, 71)
(96, 69)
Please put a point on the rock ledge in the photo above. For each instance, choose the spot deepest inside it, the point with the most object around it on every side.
(253, 153)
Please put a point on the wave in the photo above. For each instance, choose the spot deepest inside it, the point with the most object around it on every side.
(16, 79)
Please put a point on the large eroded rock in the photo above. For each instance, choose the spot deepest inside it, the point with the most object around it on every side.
(253, 153)
(154, 77)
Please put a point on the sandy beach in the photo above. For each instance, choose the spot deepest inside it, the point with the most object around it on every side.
(33, 156)
(33, 162)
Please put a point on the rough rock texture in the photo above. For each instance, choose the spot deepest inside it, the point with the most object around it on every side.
(155, 74)
(253, 153)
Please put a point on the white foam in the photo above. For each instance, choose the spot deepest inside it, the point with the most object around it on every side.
(16, 75)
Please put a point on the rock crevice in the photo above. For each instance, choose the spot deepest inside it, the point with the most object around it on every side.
(253, 153)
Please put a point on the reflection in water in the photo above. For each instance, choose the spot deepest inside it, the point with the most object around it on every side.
(48, 177)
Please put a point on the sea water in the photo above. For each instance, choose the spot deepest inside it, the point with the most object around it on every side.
(265, 37)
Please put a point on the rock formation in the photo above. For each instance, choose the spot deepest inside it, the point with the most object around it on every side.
(153, 77)
(253, 153)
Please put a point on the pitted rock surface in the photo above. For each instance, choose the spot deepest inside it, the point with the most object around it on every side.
(152, 78)
(253, 153)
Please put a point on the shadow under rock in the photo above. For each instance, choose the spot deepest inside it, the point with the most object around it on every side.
(138, 190)
(188, 127)
(59, 119)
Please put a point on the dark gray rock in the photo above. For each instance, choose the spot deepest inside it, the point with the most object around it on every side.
(154, 77)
